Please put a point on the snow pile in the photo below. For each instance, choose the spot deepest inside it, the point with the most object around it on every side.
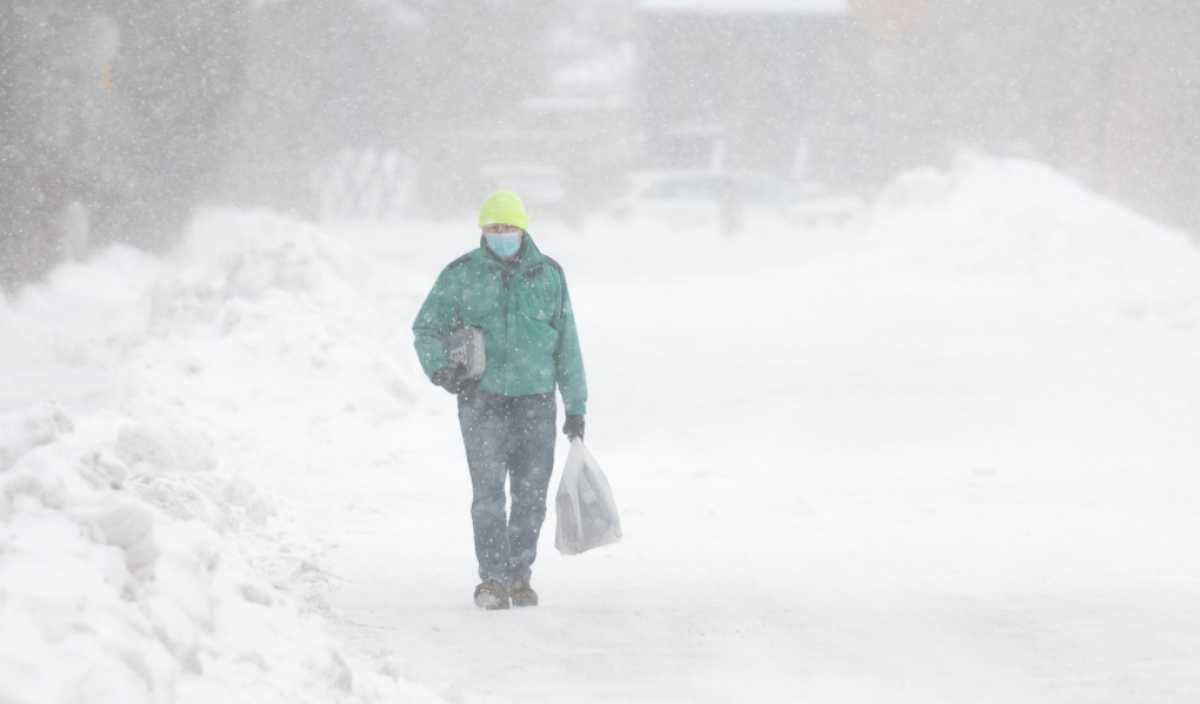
(259, 303)
(268, 334)
(99, 302)
(140, 558)
(1021, 223)
(114, 588)
(67, 336)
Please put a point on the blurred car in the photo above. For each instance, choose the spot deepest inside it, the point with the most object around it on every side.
(730, 200)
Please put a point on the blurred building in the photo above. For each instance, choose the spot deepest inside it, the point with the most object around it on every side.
(744, 83)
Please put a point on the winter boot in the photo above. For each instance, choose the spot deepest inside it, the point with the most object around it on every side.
(491, 596)
(523, 595)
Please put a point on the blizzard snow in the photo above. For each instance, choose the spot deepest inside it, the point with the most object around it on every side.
(945, 453)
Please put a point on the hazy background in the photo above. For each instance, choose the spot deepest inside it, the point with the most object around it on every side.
(117, 116)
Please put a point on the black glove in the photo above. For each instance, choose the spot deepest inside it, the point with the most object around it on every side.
(573, 428)
(450, 378)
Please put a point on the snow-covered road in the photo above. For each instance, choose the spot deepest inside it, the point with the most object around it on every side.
(947, 454)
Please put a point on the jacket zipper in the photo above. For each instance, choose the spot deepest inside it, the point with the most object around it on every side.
(505, 282)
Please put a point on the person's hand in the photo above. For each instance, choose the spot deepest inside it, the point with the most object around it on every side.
(573, 428)
(450, 378)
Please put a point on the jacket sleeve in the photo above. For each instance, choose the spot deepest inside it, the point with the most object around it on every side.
(435, 320)
(568, 360)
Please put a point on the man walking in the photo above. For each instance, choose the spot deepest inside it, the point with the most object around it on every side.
(517, 297)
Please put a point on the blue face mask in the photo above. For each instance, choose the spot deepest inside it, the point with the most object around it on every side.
(503, 244)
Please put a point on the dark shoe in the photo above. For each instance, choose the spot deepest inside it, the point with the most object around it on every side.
(491, 596)
(523, 595)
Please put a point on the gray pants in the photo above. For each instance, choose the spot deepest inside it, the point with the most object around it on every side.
(507, 437)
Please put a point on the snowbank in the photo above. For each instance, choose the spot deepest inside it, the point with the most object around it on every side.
(67, 336)
(1018, 223)
(991, 243)
(143, 559)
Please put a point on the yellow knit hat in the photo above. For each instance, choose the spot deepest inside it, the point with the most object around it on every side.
(503, 208)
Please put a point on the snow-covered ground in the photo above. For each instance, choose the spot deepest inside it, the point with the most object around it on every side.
(944, 454)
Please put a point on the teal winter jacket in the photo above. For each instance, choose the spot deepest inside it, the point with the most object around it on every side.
(524, 311)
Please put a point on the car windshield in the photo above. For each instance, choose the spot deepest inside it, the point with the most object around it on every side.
(758, 189)
(706, 187)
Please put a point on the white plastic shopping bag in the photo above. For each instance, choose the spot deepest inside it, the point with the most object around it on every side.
(587, 513)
